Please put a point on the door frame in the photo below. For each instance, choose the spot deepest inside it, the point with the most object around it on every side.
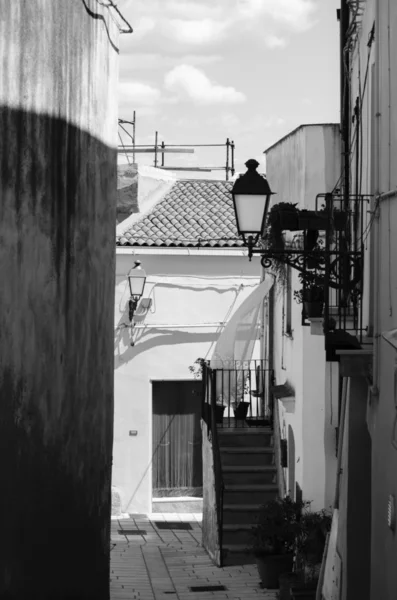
(150, 437)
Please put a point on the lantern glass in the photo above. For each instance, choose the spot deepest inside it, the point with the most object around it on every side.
(250, 210)
(136, 280)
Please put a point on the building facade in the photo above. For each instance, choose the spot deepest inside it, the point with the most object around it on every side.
(183, 233)
(301, 165)
(369, 131)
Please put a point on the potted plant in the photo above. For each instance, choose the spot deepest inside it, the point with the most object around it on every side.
(321, 220)
(311, 295)
(340, 219)
(219, 409)
(313, 220)
(240, 409)
(274, 538)
(197, 368)
(284, 215)
(240, 406)
(310, 544)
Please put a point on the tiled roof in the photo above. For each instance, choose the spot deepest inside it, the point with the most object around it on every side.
(194, 213)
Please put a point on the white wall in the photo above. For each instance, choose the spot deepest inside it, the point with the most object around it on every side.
(186, 291)
(302, 165)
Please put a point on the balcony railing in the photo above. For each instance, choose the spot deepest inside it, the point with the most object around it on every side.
(343, 274)
(241, 392)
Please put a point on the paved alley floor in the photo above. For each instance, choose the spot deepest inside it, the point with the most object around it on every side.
(160, 557)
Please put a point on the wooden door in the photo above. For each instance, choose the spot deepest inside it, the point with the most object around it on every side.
(177, 447)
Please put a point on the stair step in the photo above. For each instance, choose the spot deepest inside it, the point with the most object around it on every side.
(243, 450)
(245, 437)
(250, 487)
(237, 554)
(249, 474)
(242, 507)
(257, 494)
(244, 430)
(247, 456)
(249, 468)
(240, 533)
(241, 513)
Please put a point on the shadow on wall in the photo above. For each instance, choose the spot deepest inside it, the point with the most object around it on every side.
(57, 221)
(124, 335)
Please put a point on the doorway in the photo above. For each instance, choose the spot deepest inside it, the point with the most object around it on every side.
(177, 467)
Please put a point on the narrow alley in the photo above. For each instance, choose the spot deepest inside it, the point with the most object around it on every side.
(158, 556)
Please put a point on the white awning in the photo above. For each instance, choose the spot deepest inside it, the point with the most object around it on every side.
(237, 341)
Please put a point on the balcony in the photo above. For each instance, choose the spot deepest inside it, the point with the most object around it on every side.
(241, 390)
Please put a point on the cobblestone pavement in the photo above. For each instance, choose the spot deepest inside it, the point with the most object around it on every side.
(152, 563)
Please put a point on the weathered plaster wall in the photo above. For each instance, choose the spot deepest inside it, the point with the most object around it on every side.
(210, 515)
(354, 527)
(379, 176)
(300, 166)
(186, 291)
(58, 121)
(384, 481)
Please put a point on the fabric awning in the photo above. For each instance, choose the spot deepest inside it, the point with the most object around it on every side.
(236, 343)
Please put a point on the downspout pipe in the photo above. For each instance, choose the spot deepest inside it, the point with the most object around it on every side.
(375, 235)
(345, 100)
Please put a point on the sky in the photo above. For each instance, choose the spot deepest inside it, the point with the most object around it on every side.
(202, 71)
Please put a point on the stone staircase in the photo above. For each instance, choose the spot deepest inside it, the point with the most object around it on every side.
(250, 479)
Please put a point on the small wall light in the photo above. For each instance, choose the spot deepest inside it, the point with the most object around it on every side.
(136, 280)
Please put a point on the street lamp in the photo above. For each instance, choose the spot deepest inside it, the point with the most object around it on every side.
(136, 280)
(251, 197)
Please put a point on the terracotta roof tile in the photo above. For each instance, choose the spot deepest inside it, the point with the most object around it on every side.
(193, 213)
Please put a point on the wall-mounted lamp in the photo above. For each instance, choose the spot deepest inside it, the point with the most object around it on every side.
(136, 280)
(251, 197)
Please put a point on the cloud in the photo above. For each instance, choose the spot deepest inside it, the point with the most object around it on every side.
(188, 81)
(259, 123)
(193, 10)
(228, 120)
(138, 94)
(192, 23)
(273, 41)
(296, 15)
(143, 26)
(152, 61)
(196, 32)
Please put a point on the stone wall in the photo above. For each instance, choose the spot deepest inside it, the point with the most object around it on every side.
(58, 121)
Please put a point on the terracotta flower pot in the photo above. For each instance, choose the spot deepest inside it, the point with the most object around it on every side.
(313, 309)
(219, 410)
(240, 412)
(288, 220)
(303, 591)
(286, 580)
(271, 566)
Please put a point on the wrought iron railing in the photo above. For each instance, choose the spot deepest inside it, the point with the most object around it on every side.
(241, 393)
(344, 267)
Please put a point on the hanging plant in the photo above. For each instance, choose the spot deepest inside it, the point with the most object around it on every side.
(197, 368)
(284, 216)
(311, 295)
